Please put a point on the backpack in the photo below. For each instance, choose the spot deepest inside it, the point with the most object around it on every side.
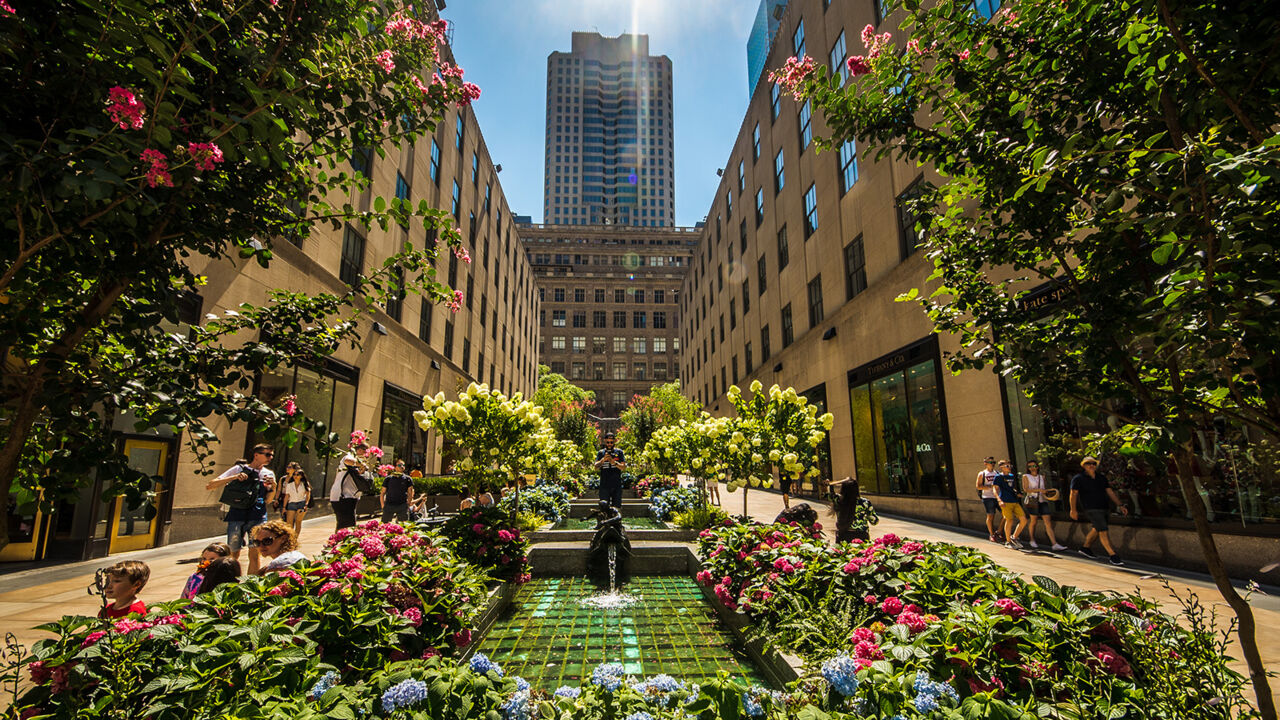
(242, 494)
(362, 482)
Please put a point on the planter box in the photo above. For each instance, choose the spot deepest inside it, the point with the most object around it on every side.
(446, 503)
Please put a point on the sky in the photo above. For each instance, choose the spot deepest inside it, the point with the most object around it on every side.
(503, 46)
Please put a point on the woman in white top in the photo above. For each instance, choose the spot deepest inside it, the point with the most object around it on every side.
(297, 496)
(1039, 508)
(467, 501)
(484, 498)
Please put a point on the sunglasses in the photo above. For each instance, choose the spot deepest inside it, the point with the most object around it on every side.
(268, 540)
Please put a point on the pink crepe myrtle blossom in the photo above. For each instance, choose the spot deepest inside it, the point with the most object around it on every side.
(385, 470)
(158, 170)
(291, 405)
(793, 74)
(470, 93)
(462, 254)
(375, 452)
(7, 8)
(93, 638)
(204, 155)
(386, 60)
(462, 638)
(456, 303)
(857, 65)
(964, 55)
(124, 107)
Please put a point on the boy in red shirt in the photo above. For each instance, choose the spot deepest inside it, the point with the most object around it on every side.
(123, 582)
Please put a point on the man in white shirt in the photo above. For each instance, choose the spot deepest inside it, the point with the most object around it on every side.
(344, 494)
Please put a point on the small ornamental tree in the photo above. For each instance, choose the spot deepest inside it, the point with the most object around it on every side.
(567, 407)
(154, 139)
(1123, 153)
(498, 438)
(663, 406)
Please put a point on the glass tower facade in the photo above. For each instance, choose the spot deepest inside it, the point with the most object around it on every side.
(768, 19)
(609, 149)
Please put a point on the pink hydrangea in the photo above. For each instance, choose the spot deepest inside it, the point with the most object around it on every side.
(462, 638)
(864, 635)
(327, 587)
(1112, 661)
(912, 547)
(478, 528)
(204, 155)
(278, 590)
(1010, 607)
(871, 600)
(125, 109)
(704, 577)
(505, 536)
(124, 626)
(891, 606)
(867, 650)
(93, 638)
(393, 528)
(354, 574)
(399, 541)
(912, 607)
(413, 615)
(39, 673)
(888, 539)
(914, 622)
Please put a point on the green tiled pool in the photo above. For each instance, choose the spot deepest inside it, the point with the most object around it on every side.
(550, 639)
(631, 523)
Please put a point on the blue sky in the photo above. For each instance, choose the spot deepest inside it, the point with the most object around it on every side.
(503, 46)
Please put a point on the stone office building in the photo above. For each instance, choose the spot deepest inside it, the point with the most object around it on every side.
(794, 281)
(609, 305)
(411, 348)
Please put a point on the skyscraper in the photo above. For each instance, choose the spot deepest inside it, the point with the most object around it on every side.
(609, 134)
(768, 18)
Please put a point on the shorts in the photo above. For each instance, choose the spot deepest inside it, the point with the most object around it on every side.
(784, 484)
(992, 505)
(1098, 518)
(1012, 511)
(238, 531)
(1040, 508)
(296, 506)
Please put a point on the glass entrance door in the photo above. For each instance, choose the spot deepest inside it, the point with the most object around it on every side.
(131, 528)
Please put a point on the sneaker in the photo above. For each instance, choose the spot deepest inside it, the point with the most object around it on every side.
(1115, 560)
(1016, 543)
(1086, 552)
(1059, 548)
(1010, 546)
(992, 538)
(1034, 545)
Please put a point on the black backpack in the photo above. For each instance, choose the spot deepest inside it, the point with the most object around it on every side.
(242, 494)
(362, 482)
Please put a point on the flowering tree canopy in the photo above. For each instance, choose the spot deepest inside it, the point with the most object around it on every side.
(1118, 159)
(160, 138)
(500, 437)
(645, 414)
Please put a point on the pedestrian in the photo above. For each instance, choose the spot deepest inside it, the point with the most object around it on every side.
(1007, 495)
(208, 555)
(296, 491)
(610, 462)
(1092, 493)
(220, 572)
(713, 491)
(484, 498)
(396, 494)
(278, 542)
(121, 584)
(1039, 507)
(784, 484)
(987, 492)
(466, 501)
(854, 513)
(246, 494)
(345, 492)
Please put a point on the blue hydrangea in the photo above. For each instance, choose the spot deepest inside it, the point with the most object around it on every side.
(751, 704)
(517, 706)
(639, 715)
(607, 676)
(482, 664)
(521, 684)
(322, 685)
(565, 691)
(841, 672)
(929, 692)
(660, 689)
(403, 694)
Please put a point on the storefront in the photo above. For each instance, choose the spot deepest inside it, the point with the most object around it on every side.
(327, 394)
(399, 435)
(900, 431)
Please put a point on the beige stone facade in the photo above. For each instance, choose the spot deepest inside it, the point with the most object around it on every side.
(911, 432)
(609, 305)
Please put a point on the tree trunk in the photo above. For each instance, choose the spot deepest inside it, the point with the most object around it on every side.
(1246, 630)
(24, 416)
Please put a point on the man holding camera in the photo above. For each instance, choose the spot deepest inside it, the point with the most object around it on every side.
(610, 462)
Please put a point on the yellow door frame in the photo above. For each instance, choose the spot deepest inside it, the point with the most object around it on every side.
(118, 544)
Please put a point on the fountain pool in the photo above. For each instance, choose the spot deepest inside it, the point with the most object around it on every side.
(550, 637)
(630, 523)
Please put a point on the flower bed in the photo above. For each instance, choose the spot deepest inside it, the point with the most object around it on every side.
(547, 500)
(669, 502)
(654, 484)
(487, 538)
(899, 624)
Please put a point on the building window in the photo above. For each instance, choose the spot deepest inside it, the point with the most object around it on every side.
(597, 345)
(475, 169)
(755, 143)
(597, 371)
(659, 345)
(578, 370)
(898, 438)
(619, 371)
(764, 343)
(746, 351)
(639, 320)
(659, 297)
(580, 344)
(599, 295)
(456, 207)
(448, 339)
(619, 344)
(638, 296)
(733, 314)
(762, 279)
(620, 396)
(488, 198)
(638, 345)
(362, 160)
(619, 318)
(638, 371)
(797, 39)
(775, 101)
(779, 172)
(557, 318)
(784, 254)
(837, 57)
(435, 162)
(579, 295)
(466, 356)
(810, 211)
(352, 263)
(402, 195)
(395, 302)
(806, 125)
(460, 128)
(424, 321)
(746, 297)
(986, 9)
(599, 319)
(453, 270)
(815, 301)
(557, 342)
(908, 237)
(659, 371)
(742, 176)
(659, 319)
(848, 165)
(878, 7)
(620, 296)
(855, 268)
(557, 294)
(728, 207)
(788, 330)
(734, 366)
(579, 318)
(759, 213)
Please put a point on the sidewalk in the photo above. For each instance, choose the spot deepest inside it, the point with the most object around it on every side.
(29, 598)
(1067, 568)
